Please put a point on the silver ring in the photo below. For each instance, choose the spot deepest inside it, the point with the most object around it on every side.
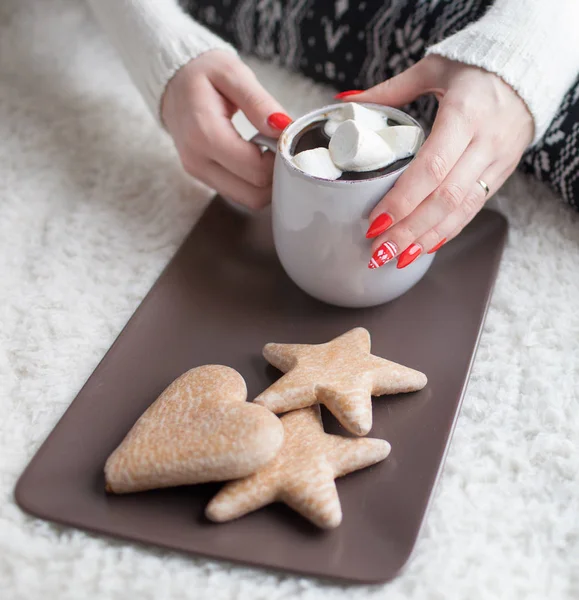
(484, 186)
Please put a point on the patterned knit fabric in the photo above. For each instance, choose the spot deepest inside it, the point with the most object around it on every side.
(358, 44)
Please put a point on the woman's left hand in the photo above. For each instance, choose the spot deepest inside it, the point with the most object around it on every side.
(481, 130)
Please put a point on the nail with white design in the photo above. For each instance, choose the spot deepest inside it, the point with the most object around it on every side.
(355, 148)
(317, 162)
(404, 140)
(366, 117)
(384, 254)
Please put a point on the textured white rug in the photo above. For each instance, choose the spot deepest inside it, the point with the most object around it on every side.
(93, 204)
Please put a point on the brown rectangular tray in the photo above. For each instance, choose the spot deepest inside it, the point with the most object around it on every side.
(220, 299)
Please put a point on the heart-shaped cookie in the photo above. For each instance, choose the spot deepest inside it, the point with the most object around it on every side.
(200, 429)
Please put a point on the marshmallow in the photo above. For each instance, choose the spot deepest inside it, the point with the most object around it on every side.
(403, 140)
(366, 117)
(355, 148)
(317, 162)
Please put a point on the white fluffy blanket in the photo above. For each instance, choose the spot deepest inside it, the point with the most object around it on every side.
(93, 204)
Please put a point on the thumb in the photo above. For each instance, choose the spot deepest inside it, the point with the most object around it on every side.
(400, 89)
(242, 88)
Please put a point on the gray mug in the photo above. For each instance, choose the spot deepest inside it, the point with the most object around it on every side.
(319, 226)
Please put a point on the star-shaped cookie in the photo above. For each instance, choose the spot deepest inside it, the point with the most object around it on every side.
(342, 374)
(302, 474)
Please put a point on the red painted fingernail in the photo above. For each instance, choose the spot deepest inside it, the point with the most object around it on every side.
(437, 247)
(278, 121)
(385, 253)
(409, 255)
(347, 93)
(379, 225)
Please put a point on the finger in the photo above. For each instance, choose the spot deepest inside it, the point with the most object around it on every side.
(242, 158)
(240, 85)
(445, 200)
(494, 176)
(233, 187)
(467, 216)
(400, 89)
(451, 135)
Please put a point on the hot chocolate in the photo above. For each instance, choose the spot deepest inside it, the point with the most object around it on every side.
(313, 136)
(353, 142)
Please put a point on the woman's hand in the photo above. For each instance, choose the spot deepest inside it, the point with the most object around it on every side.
(197, 107)
(479, 135)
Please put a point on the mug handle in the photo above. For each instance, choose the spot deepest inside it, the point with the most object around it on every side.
(264, 141)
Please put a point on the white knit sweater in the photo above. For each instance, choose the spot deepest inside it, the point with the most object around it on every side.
(531, 44)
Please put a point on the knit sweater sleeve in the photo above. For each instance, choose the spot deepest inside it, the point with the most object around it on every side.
(154, 38)
(530, 44)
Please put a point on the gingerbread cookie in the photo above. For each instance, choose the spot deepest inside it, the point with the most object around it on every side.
(200, 429)
(341, 374)
(302, 474)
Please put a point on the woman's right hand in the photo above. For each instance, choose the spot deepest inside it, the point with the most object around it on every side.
(197, 107)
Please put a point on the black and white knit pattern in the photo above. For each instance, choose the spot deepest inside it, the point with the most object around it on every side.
(555, 159)
(356, 44)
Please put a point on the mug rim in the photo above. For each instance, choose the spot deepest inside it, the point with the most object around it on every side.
(283, 144)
